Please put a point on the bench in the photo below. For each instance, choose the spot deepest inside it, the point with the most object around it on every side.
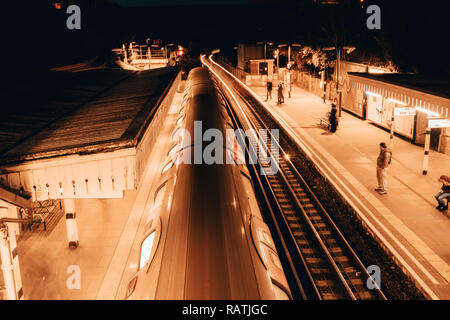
(41, 211)
(324, 122)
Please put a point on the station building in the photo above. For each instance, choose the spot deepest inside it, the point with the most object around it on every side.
(254, 60)
(91, 140)
(416, 102)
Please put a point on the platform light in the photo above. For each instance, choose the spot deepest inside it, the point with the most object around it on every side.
(396, 101)
(431, 113)
(370, 93)
(372, 70)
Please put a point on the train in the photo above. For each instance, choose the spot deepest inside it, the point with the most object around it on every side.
(205, 237)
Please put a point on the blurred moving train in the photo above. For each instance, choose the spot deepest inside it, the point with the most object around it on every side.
(205, 237)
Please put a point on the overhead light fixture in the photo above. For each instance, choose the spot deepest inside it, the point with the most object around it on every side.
(396, 101)
(372, 70)
(431, 113)
(370, 93)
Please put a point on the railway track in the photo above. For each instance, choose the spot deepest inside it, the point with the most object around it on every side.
(316, 251)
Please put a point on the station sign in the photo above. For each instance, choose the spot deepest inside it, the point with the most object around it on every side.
(404, 111)
(439, 123)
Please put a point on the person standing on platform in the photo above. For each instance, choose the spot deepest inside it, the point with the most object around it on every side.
(383, 161)
(280, 93)
(288, 82)
(269, 89)
(443, 194)
(333, 118)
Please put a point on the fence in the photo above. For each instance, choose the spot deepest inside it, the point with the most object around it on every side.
(238, 73)
(312, 84)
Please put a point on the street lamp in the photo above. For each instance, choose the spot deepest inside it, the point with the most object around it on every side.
(289, 50)
(338, 62)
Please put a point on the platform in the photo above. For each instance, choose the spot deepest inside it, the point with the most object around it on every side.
(405, 218)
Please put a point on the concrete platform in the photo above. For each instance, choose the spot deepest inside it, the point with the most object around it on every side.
(405, 219)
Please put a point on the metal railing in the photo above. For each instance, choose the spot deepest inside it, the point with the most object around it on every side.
(238, 73)
(145, 53)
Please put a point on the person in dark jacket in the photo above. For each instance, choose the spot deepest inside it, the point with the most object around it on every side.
(333, 118)
(383, 161)
(280, 93)
(444, 193)
(269, 90)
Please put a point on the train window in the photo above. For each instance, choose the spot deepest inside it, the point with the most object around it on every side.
(167, 167)
(264, 237)
(262, 250)
(176, 134)
(254, 207)
(280, 294)
(173, 150)
(180, 119)
(146, 249)
(131, 287)
(275, 260)
(159, 194)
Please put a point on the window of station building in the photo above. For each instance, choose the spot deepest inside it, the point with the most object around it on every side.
(146, 249)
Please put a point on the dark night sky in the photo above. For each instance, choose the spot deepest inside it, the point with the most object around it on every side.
(414, 33)
(177, 2)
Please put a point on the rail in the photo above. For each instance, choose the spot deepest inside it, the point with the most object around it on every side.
(327, 265)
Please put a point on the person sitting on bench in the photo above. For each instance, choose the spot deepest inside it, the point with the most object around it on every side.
(444, 193)
(333, 119)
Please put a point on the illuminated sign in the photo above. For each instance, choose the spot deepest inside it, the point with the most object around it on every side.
(404, 111)
(439, 123)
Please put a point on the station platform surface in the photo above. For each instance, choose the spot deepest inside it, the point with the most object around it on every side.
(417, 234)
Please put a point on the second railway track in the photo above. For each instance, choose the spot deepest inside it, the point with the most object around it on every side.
(318, 253)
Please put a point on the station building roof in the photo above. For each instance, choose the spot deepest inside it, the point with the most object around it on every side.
(54, 113)
(438, 85)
